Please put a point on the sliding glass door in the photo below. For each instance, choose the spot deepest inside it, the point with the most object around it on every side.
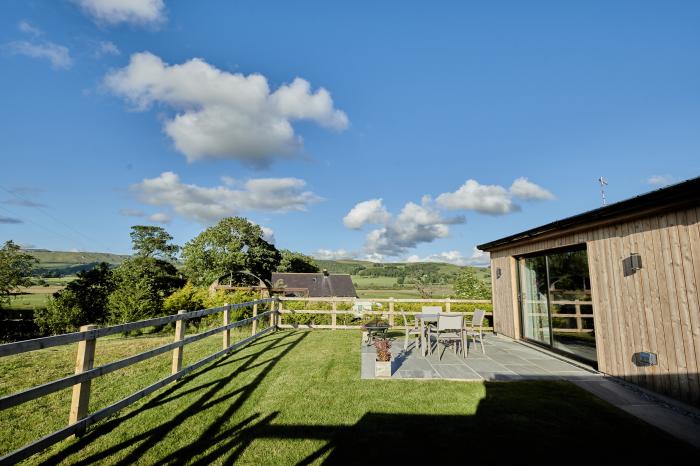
(533, 288)
(555, 299)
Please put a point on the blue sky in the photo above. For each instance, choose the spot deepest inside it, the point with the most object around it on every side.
(180, 113)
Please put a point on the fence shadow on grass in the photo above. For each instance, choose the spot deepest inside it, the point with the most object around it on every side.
(203, 401)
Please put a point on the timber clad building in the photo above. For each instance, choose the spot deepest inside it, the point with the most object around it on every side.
(618, 287)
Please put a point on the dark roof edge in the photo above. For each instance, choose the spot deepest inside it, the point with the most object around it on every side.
(685, 193)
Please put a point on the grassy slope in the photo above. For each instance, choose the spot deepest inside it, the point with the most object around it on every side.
(293, 395)
(63, 259)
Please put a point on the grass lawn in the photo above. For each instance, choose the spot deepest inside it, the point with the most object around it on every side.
(295, 397)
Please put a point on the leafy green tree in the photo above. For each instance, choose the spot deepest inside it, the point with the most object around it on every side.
(83, 301)
(231, 245)
(141, 285)
(296, 262)
(468, 286)
(15, 270)
(151, 241)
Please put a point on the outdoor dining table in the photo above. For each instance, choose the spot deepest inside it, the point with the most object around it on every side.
(425, 318)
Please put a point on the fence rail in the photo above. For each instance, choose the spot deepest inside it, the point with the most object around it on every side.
(390, 314)
(79, 419)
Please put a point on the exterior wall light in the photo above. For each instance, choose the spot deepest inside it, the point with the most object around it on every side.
(631, 264)
(636, 261)
(498, 272)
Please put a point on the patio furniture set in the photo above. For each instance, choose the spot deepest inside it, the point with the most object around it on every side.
(445, 327)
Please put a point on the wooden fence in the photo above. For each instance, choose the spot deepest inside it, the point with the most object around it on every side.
(393, 312)
(79, 418)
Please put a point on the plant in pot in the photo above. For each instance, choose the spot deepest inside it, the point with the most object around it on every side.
(382, 365)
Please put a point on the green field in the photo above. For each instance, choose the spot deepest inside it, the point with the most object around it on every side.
(438, 291)
(28, 301)
(373, 282)
(296, 397)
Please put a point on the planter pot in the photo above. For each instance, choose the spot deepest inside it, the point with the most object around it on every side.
(382, 368)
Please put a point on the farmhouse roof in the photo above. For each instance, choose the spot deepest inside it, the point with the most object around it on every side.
(319, 285)
(674, 197)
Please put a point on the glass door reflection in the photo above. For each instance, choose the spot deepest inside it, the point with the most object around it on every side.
(533, 299)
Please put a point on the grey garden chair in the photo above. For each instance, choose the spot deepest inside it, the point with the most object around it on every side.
(477, 323)
(450, 328)
(410, 330)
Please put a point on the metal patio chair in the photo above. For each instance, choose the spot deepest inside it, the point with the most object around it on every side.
(411, 330)
(450, 328)
(477, 322)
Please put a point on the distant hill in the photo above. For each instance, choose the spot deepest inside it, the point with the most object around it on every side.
(360, 267)
(61, 263)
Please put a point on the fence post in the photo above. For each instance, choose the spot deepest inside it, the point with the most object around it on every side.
(227, 320)
(273, 305)
(579, 321)
(255, 322)
(391, 312)
(334, 321)
(177, 352)
(81, 391)
(448, 307)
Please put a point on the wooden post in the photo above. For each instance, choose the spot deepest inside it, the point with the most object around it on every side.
(579, 322)
(448, 306)
(227, 320)
(81, 391)
(177, 352)
(272, 314)
(255, 322)
(391, 312)
(334, 321)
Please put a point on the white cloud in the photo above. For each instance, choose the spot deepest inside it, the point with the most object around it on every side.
(660, 180)
(58, 55)
(106, 48)
(366, 212)
(27, 28)
(141, 12)
(207, 205)
(525, 189)
(222, 115)
(228, 180)
(132, 213)
(415, 224)
(268, 234)
(332, 254)
(492, 199)
(160, 217)
(477, 259)
(487, 199)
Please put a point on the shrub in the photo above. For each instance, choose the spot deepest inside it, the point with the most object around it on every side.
(188, 298)
(62, 314)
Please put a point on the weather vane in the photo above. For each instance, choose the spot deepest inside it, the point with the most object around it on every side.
(603, 183)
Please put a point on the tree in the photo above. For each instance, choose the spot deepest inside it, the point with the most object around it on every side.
(468, 286)
(150, 241)
(83, 301)
(296, 262)
(231, 245)
(15, 270)
(141, 285)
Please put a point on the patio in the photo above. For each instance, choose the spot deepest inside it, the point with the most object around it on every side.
(505, 360)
